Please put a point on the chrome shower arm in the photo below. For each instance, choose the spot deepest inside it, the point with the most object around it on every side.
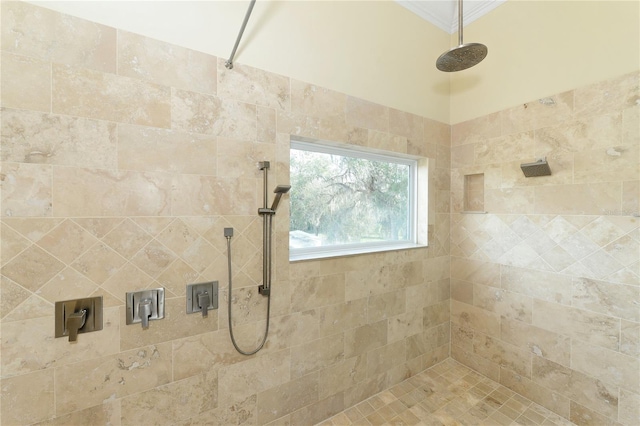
(229, 63)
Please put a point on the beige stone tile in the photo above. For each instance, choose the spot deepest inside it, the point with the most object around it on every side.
(32, 228)
(600, 132)
(385, 357)
(606, 365)
(479, 364)
(42, 33)
(626, 249)
(342, 375)
(551, 398)
(472, 317)
(26, 189)
(146, 58)
(436, 314)
(159, 150)
(254, 86)
(240, 412)
(504, 303)
(476, 272)
(317, 292)
(577, 386)
(11, 296)
(211, 115)
(408, 125)
(428, 341)
(175, 324)
(630, 338)
(542, 285)
(98, 226)
(504, 354)
(593, 198)
(436, 132)
(87, 383)
(66, 285)
(510, 200)
(266, 125)
(318, 411)
(128, 278)
(607, 298)
(588, 326)
(312, 356)
(582, 415)
(287, 398)
(207, 195)
(28, 398)
(253, 376)
(26, 83)
(359, 340)
(93, 192)
(32, 137)
(613, 163)
(98, 263)
(611, 94)
(474, 130)
(629, 407)
(386, 141)
(366, 114)
(126, 238)
(386, 305)
(12, 244)
(238, 159)
(404, 325)
(538, 341)
(67, 241)
(32, 268)
(172, 402)
(86, 93)
(342, 316)
(519, 146)
(105, 413)
(533, 115)
(315, 101)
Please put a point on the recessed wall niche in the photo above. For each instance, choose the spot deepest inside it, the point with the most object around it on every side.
(474, 192)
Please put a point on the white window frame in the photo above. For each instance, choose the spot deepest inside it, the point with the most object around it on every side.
(371, 247)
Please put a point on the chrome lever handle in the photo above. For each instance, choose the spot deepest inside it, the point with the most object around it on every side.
(75, 322)
(203, 302)
(144, 310)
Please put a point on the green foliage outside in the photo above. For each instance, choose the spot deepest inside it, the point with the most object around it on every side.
(345, 200)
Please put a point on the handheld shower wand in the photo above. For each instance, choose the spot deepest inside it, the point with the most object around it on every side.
(267, 225)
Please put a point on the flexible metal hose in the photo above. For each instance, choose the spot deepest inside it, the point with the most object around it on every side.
(266, 331)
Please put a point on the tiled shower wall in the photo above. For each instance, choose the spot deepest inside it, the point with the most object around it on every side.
(545, 286)
(123, 158)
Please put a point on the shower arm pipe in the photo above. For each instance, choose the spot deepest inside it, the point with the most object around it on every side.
(229, 63)
(460, 23)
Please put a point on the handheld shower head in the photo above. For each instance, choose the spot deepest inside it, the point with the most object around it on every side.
(279, 191)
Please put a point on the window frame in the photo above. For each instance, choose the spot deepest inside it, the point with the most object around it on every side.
(412, 162)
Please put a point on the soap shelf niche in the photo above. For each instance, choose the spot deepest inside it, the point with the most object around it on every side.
(473, 195)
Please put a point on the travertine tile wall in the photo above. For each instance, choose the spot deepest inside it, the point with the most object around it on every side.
(123, 158)
(546, 286)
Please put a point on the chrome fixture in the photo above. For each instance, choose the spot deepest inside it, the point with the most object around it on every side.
(229, 63)
(73, 317)
(267, 228)
(462, 56)
(537, 168)
(144, 306)
(202, 297)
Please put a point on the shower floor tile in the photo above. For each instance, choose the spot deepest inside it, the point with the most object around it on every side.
(447, 394)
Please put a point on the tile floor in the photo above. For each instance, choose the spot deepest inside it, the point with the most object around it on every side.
(447, 394)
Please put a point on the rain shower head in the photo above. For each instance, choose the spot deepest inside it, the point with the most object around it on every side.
(279, 191)
(462, 56)
(537, 168)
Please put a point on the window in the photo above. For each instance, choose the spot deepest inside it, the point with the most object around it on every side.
(345, 201)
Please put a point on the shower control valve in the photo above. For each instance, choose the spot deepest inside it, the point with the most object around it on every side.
(202, 297)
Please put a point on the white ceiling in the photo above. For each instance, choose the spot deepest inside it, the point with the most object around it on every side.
(444, 13)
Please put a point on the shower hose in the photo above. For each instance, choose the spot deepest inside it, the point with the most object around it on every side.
(266, 331)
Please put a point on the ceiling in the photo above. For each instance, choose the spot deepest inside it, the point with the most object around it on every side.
(444, 13)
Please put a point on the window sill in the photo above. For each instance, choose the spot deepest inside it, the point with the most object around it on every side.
(351, 252)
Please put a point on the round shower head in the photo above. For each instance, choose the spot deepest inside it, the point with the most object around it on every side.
(461, 57)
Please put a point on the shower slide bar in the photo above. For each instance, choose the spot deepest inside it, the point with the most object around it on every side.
(229, 63)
